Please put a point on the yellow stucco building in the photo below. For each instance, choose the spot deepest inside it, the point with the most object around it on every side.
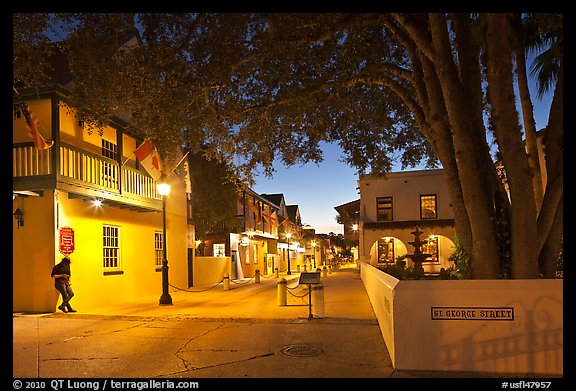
(87, 194)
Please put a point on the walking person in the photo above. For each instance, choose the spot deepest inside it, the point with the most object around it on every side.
(61, 276)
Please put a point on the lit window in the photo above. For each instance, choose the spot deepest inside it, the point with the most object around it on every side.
(384, 209)
(111, 247)
(385, 250)
(430, 246)
(428, 207)
(219, 249)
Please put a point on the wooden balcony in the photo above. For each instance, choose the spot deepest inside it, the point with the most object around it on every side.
(83, 174)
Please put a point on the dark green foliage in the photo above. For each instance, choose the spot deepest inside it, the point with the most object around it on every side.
(214, 197)
(259, 89)
(460, 260)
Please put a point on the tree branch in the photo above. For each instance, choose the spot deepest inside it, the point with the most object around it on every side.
(417, 30)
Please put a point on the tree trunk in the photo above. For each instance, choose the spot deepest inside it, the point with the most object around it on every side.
(477, 190)
(524, 256)
(527, 113)
(549, 234)
(552, 246)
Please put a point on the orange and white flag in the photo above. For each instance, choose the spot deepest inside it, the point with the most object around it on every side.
(150, 159)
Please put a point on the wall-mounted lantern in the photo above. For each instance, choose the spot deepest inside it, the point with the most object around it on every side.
(19, 216)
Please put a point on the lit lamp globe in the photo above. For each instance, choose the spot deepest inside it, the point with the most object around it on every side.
(163, 189)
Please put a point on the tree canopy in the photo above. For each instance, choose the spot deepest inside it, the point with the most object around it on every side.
(259, 87)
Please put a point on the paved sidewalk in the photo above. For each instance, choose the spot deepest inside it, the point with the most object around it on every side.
(212, 333)
(344, 298)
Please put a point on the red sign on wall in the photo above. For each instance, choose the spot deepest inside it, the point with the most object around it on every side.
(66, 240)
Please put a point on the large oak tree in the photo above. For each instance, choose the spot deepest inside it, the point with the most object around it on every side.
(256, 88)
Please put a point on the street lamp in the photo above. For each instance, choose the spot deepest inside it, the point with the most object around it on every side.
(164, 190)
(314, 253)
(288, 236)
(361, 250)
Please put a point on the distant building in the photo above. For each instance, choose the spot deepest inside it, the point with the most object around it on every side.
(254, 244)
(392, 206)
(350, 216)
(278, 199)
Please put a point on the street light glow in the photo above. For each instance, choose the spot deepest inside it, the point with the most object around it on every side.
(163, 188)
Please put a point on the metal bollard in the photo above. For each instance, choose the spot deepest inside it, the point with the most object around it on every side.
(257, 276)
(226, 282)
(305, 267)
(282, 291)
(318, 301)
(276, 271)
(324, 272)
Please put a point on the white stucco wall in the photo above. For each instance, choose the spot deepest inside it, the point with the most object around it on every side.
(437, 325)
(405, 187)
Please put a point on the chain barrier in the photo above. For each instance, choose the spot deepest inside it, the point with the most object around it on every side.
(243, 283)
(202, 290)
(234, 282)
(294, 287)
(288, 289)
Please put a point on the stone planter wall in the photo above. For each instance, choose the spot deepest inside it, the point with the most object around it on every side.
(490, 326)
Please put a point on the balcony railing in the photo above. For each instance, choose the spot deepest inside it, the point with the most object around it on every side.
(82, 166)
(28, 161)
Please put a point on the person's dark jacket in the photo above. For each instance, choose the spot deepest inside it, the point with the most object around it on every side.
(61, 268)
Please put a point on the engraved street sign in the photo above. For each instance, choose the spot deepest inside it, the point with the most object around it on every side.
(472, 313)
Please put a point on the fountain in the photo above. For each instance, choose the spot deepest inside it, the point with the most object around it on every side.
(418, 257)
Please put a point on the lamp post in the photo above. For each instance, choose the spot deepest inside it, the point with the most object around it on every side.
(314, 253)
(361, 250)
(164, 190)
(288, 236)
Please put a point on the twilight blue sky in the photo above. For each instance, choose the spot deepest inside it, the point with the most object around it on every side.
(317, 189)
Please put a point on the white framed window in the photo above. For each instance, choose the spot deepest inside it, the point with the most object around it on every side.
(111, 247)
(109, 170)
(158, 248)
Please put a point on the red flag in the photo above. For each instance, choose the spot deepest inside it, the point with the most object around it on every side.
(150, 159)
(33, 126)
(274, 217)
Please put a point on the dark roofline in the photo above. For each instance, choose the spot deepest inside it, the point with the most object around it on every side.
(259, 196)
(348, 204)
(275, 198)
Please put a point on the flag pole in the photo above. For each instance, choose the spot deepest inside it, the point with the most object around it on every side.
(26, 111)
(126, 161)
(181, 160)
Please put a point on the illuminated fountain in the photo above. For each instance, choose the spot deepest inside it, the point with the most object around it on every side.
(418, 257)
